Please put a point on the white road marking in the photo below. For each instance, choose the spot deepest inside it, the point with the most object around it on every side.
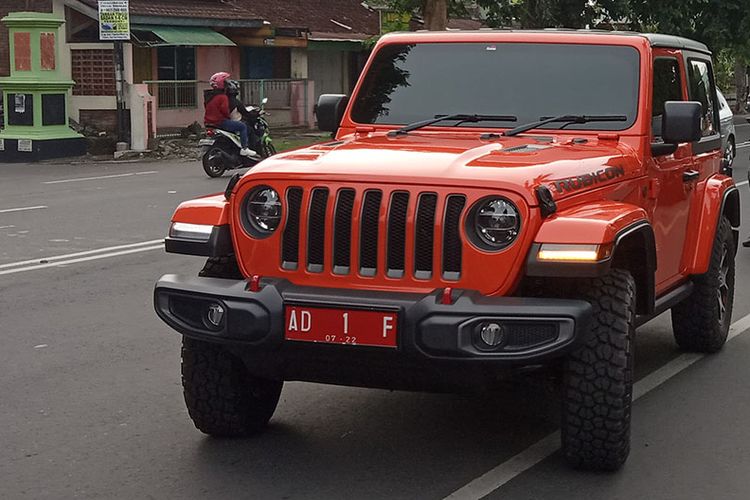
(46, 260)
(113, 176)
(81, 259)
(741, 183)
(21, 209)
(7, 227)
(743, 145)
(525, 460)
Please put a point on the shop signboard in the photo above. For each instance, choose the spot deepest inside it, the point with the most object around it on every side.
(114, 20)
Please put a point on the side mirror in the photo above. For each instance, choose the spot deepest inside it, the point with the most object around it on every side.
(330, 111)
(681, 122)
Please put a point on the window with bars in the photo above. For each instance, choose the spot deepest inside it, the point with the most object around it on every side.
(93, 70)
(177, 87)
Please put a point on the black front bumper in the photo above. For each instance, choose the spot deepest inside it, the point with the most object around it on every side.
(434, 339)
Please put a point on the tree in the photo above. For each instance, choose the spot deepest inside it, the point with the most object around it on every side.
(721, 24)
(536, 14)
(435, 13)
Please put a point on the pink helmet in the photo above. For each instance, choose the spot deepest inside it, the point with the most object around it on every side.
(218, 79)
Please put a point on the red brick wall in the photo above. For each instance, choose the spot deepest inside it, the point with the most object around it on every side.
(6, 7)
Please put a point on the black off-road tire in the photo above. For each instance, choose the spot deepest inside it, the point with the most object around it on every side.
(701, 322)
(597, 389)
(221, 267)
(223, 400)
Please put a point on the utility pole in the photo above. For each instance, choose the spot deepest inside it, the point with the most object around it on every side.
(114, 26)
(122, 135)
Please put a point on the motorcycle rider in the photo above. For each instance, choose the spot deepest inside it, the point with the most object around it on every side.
(218, 112)
(238, 110)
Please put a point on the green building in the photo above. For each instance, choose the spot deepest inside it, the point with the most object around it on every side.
(35, 95)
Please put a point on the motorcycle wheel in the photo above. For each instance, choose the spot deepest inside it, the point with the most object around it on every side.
(213, 163)
(267, 150)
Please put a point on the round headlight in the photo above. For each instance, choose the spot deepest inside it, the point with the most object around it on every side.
(496, 223)
(263, 211)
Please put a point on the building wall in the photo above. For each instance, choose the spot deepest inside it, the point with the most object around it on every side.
(208, 60)
(6, 7)
(329, 70)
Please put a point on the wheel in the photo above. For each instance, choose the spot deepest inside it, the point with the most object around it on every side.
(597, 388)
(701, 322)
(730, 152)
(267, 150)
(213, 163)
(222, 267)
(222, 399)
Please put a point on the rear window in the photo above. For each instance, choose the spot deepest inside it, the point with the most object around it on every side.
(408, 83)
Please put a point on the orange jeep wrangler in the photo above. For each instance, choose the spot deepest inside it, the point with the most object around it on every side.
(492, 203)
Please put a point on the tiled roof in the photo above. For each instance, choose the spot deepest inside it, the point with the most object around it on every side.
(324, 19)
(200, 9)
(334, 18)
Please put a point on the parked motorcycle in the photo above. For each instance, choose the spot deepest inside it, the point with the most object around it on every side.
(221, 149)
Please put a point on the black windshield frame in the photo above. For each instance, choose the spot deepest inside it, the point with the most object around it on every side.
(405, 83)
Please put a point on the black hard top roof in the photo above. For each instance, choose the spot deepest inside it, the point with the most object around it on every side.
(677, 42)
(655, 39)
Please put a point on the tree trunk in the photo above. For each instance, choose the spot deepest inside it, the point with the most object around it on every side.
(435, 15)
(740, 81)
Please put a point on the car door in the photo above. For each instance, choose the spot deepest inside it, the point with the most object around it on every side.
(668, 200)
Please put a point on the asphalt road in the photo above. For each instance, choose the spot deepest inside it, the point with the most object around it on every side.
(91, 404)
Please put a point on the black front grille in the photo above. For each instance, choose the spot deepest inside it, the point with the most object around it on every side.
(368, 234)
(397, 234)
(342, 232)
(316, 228)
(424, 235)
(405, 225)
(451, 237)
(528, 335)
(290, 238)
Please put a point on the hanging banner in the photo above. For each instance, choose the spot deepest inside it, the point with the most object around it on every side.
(114, 20)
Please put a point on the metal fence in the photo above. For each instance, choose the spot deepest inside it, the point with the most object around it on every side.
(281, 93)
(184, 94)
(175, 94)
(290, 101)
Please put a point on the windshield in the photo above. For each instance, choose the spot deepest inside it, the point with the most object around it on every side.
(408, 83)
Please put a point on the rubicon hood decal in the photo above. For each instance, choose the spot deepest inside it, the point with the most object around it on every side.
(571, 184)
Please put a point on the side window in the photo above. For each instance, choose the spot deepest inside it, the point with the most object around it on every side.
(667, 87)
(702, 90)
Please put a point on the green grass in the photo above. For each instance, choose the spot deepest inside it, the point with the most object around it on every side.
(287, 143)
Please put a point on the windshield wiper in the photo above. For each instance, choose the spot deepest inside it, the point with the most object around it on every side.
(569, 119)
(460, 117)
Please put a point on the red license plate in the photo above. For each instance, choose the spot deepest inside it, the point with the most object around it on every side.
(341, 326)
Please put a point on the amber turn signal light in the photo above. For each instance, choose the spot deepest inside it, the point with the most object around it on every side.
(550, 252)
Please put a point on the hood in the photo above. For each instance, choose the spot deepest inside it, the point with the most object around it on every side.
(566, 165)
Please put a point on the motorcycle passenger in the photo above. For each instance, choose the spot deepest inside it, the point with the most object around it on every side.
(238, 110)
(218, 112)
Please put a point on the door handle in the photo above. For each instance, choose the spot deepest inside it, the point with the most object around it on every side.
(690, 175)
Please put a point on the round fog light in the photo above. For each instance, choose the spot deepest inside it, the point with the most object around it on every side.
(214, 315)
(491, 334)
